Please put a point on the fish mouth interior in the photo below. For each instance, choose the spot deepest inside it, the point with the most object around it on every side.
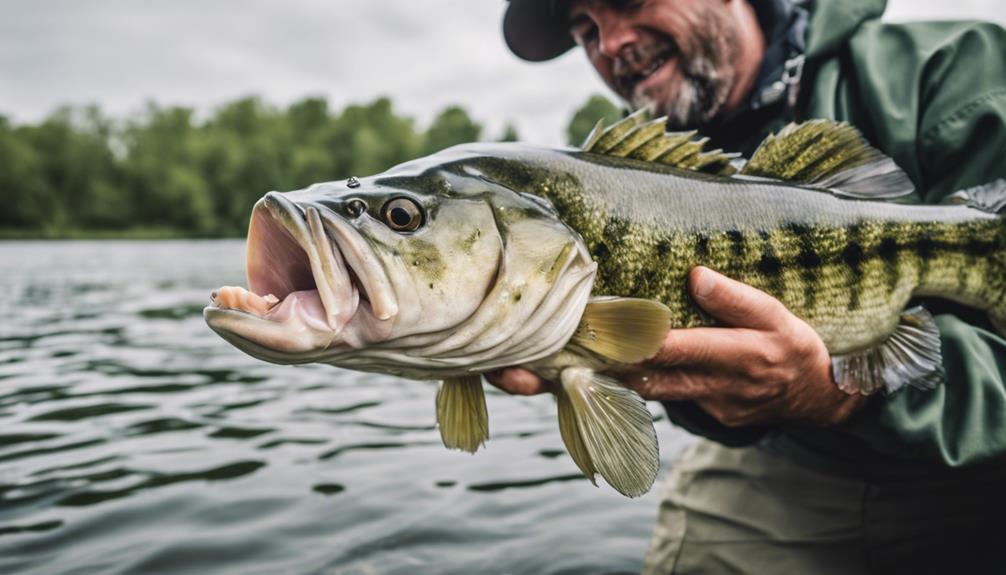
(277, 263)
(295, 270)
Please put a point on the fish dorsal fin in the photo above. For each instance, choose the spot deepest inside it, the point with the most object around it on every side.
(625, 330)
(462, 414)
(990, 197)
(638, 138)
(832, 155)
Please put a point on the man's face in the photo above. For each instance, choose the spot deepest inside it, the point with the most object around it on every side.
(676, 57)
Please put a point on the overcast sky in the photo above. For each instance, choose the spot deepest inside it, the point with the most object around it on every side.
(424, 54)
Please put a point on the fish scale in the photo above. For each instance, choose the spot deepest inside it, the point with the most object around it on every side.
(848, 279)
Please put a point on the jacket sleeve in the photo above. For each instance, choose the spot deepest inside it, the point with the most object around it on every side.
(960, 107)
(933, 97)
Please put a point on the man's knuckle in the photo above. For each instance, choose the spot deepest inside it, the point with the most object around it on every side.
(763, 392)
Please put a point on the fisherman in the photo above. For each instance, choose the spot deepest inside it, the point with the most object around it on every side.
(795, 476)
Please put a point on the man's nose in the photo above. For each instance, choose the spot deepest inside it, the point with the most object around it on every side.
(614, 33)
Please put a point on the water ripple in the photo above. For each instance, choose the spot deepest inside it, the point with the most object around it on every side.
(221, 473)
(35, 527)
(135, 440)
(525, 483)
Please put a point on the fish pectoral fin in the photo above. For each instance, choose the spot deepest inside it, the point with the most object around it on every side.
(608, 430)
(911, 355)
(461, 413)
(830, 155)
(625, 330)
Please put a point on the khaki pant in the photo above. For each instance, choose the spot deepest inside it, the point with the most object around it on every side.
(750, 511)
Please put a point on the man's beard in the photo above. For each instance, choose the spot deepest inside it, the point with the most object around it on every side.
(707, 70)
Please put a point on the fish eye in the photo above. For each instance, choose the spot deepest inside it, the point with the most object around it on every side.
(403, 215)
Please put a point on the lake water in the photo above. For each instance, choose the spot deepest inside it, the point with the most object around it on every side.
(134, 440)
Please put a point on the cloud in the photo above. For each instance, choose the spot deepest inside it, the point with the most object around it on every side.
(425, 55)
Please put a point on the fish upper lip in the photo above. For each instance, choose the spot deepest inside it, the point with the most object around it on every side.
(289, 250)
(364, 265)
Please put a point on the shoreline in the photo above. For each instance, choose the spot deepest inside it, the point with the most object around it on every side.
(128, 234)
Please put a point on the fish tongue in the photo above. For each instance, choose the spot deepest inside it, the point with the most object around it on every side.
(237, 297)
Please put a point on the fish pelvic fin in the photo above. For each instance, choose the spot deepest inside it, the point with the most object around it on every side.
(829, 155)
(639, 138)
(608, 430)
(911, 355)
(461, 413)
(624, 330)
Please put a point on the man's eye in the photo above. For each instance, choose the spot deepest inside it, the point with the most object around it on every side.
(627, 4)
(583, 32)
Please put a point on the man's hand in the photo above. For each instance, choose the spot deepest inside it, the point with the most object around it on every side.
(764, 366)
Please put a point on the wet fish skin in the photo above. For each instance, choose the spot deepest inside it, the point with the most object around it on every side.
(847, 267)
(574, 263)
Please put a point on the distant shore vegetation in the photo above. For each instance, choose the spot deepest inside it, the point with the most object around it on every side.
(167, 173)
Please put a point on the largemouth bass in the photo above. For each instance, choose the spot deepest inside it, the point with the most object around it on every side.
(573, 262)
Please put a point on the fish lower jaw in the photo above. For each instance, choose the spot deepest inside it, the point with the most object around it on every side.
(299, 323)
(304, 306)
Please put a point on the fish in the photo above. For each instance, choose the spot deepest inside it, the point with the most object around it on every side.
(573, 263)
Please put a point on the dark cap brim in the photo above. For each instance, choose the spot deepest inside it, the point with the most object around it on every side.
(536, 30)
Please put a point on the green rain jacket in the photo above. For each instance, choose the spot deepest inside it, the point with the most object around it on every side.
(932, 95)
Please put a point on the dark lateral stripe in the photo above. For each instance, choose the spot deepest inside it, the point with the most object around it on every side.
(808, 261)
(924, 248)
(769, 265)
(663, 248)
(853, 256)
(887, 251)
(980, 248)
(702, 246)
(970, 262)
(890, 248)
(736, 242)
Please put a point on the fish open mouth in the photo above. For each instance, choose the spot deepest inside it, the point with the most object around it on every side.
(306, 269)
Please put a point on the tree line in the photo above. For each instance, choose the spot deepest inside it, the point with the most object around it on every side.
(167, 172)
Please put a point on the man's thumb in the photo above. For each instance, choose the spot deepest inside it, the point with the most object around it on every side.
(732, 302)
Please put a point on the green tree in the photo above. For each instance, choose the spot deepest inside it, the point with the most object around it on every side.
(451, 127)
(77, 168)
(596, 108)
(509, 133)
(309, 122)
(244, 151)
(166, 168)
(28, 202)
(368, 139)
(163, 174)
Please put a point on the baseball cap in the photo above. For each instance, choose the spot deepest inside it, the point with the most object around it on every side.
(536, 30)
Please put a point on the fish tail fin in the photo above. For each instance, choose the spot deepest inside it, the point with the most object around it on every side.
(608, 430)
(991, 197)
